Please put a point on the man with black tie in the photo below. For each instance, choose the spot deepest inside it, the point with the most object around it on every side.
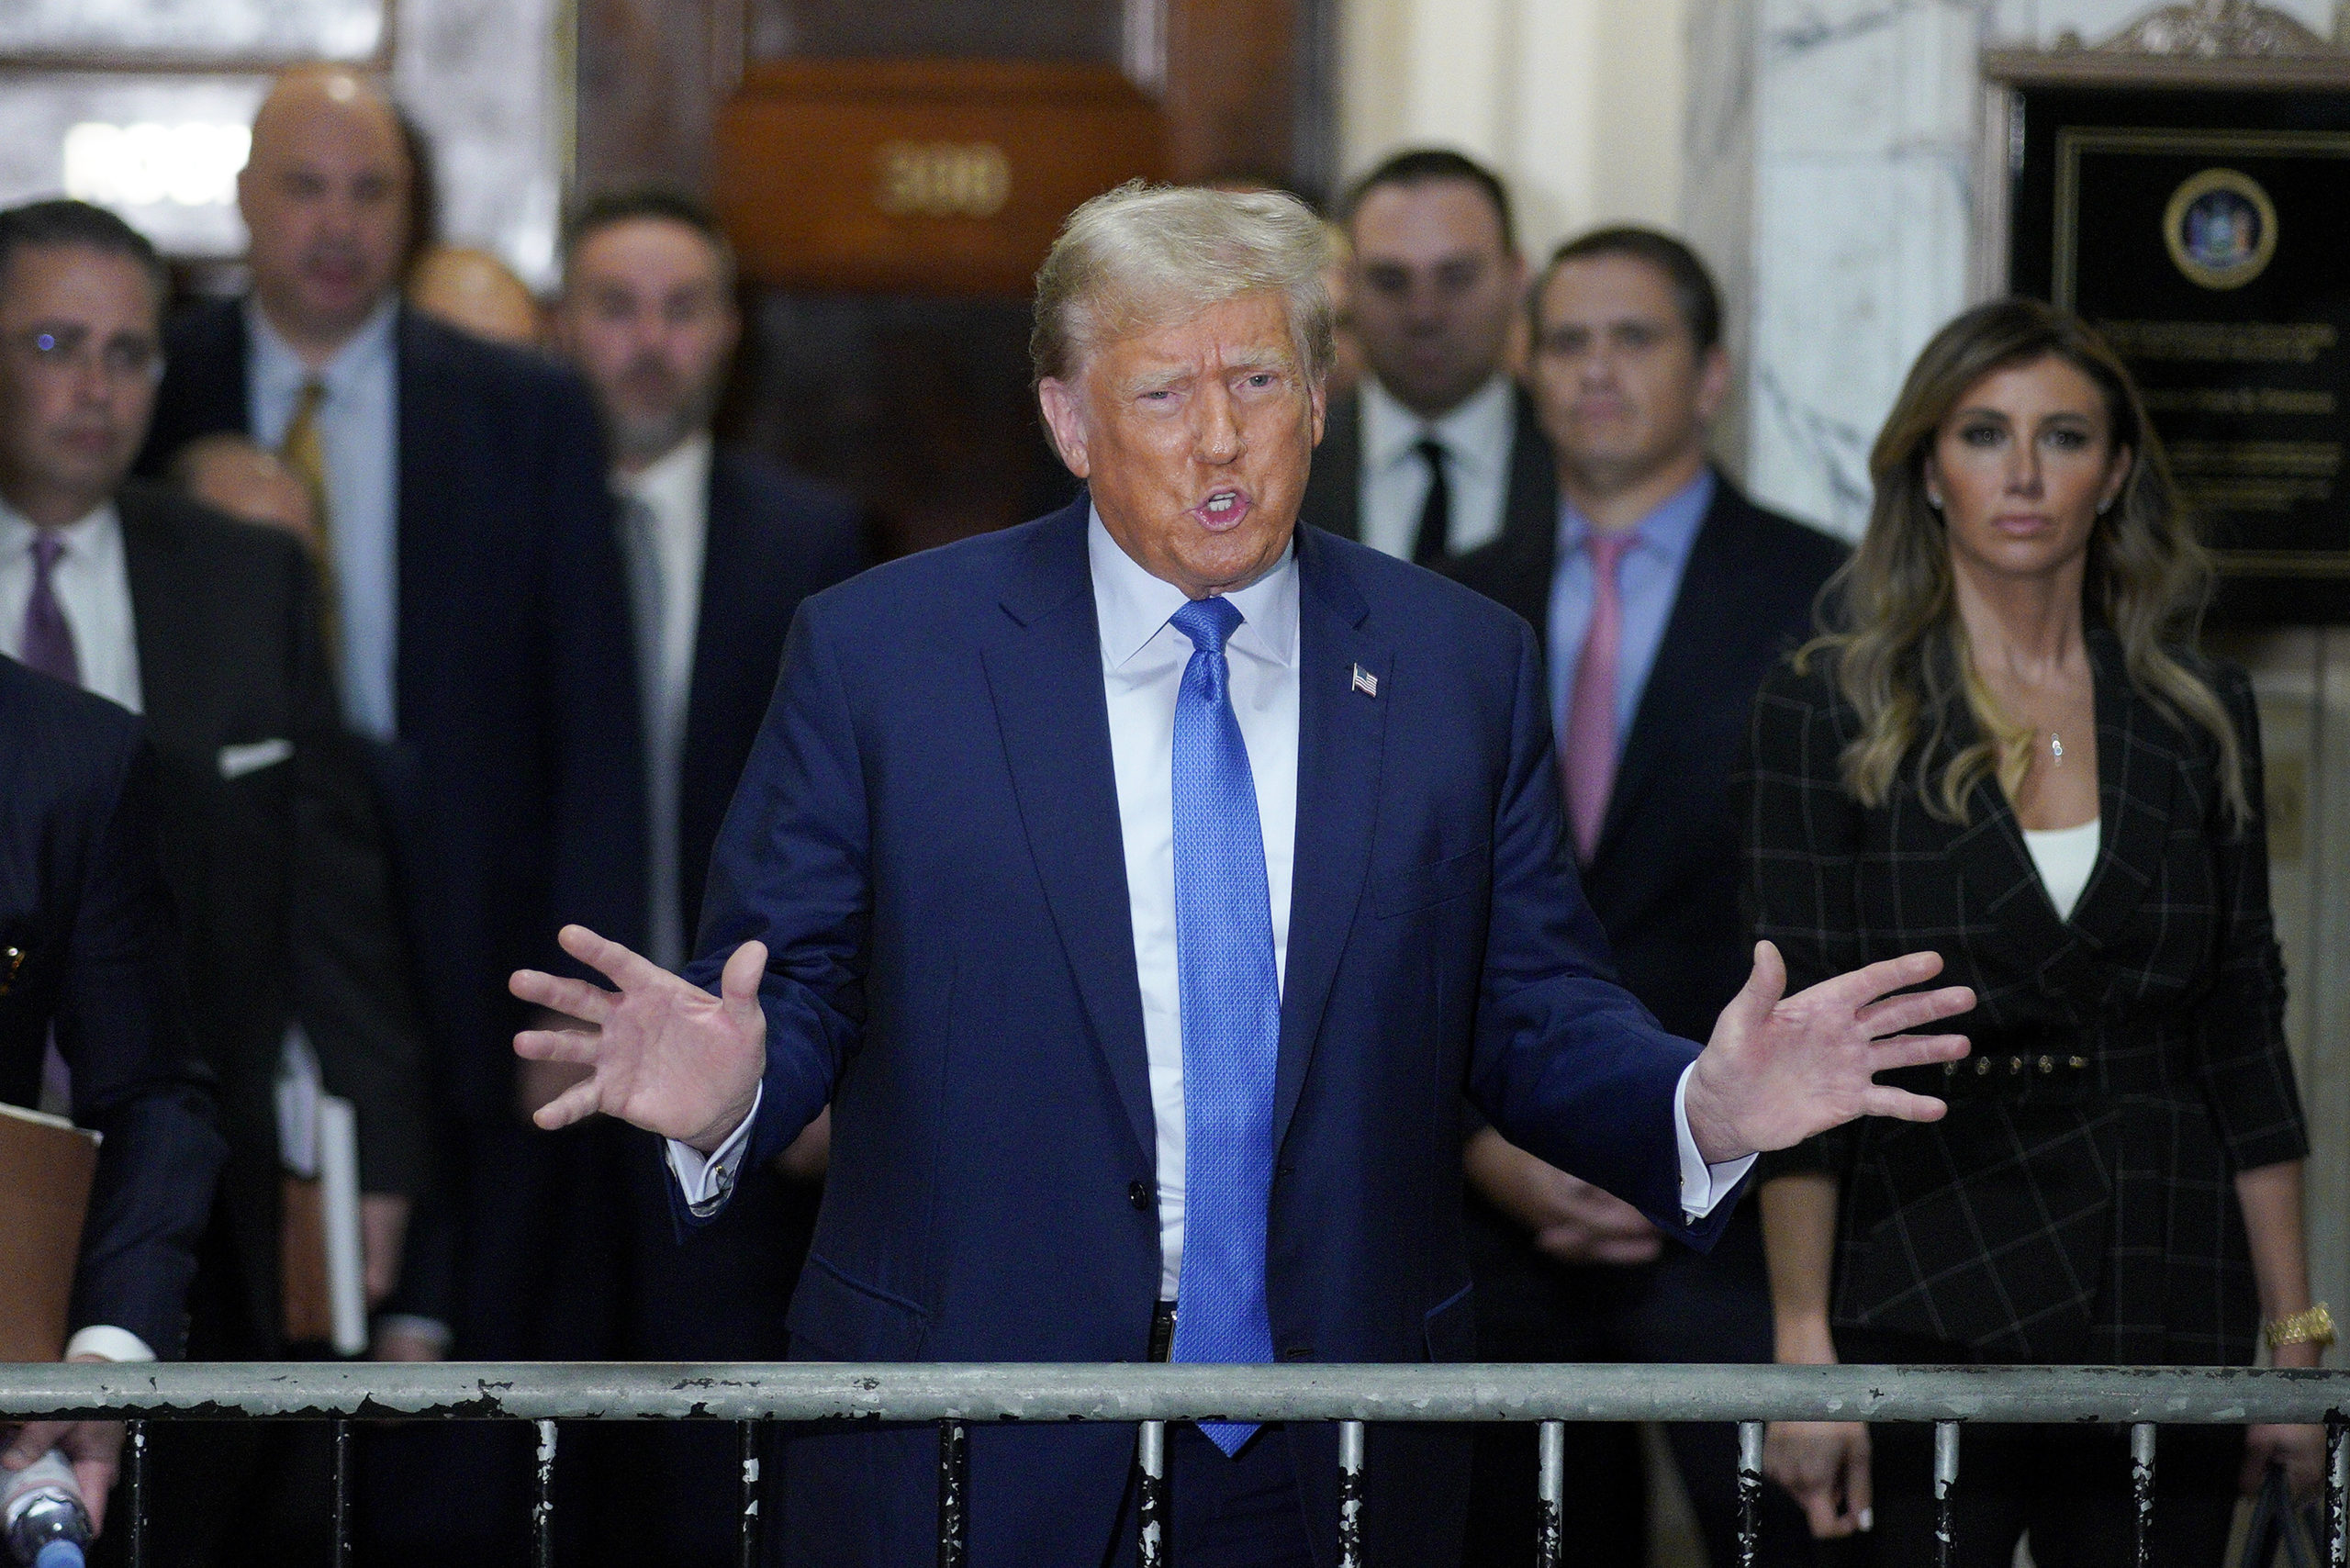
(208, 627)
(1662, 595)
(722, 547)
(478, 624)
(1437, 453)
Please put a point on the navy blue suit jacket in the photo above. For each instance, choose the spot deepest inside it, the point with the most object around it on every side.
(88, 947)
(515, 791)
(927, 839)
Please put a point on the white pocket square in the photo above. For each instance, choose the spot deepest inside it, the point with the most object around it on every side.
(236, 761)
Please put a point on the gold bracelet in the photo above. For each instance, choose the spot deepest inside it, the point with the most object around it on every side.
(2314, 1327)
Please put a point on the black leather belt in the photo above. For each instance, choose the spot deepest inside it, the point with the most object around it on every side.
(1162, 1331)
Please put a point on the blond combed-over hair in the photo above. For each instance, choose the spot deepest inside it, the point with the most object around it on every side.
(1143, 256)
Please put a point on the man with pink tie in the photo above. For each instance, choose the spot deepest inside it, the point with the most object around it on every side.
(1661, 595)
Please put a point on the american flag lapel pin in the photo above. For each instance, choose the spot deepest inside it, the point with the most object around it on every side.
(1366, 682)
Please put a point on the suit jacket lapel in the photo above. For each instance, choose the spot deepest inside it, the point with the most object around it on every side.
(724, 577)
(428, 506)
(1707, 599)
(2135, 778)
(1340, 736)
(167, 623)
(1044, 672)
(1334, 495)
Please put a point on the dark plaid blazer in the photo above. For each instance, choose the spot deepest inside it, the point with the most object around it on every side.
(2059, 1213)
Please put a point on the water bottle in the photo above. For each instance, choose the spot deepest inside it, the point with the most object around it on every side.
(42, 1515)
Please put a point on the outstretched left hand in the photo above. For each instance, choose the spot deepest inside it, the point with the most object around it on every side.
(1780, 1068)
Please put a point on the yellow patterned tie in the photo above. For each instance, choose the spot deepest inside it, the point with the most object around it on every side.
(304, 452)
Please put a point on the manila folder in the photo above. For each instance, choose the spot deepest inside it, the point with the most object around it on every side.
(46, 1166)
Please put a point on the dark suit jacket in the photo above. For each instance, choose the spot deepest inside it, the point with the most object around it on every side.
(1334, 488)
(515, 792)
(1665, 880)
(2055, 1213)
(273, 848)
(774, 538)
(927, 837)
(87, 948)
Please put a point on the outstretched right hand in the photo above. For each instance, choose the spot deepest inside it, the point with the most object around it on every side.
(663, 1055)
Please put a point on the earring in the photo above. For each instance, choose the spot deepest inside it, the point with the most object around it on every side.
(2105, 505)
(1934, 500)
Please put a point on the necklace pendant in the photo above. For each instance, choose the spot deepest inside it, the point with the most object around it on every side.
(2056, 747)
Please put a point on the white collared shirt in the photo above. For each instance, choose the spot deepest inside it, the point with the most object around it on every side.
(1476, 436)
(359, 433)
(1142, 671)
(92, 585)
(673, 494)
(1143, 658)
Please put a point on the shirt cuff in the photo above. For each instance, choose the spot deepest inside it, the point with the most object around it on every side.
(707, 1180)
(1703, 1186)
(108, 1343)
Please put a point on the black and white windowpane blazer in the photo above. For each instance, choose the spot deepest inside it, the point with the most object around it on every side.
(2077, 1204)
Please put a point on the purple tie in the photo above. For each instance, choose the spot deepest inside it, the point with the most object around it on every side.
(48, 642)
(1587, 754)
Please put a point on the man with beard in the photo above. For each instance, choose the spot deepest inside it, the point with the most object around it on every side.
(722, 547)
(477, 621)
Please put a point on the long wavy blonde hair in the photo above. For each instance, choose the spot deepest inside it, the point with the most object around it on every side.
(1897, 646)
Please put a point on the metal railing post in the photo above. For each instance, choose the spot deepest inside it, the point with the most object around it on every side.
(341, 1550)
(542, 1511)
(1351, 1494)
(746, 1534)
(1749, 1491)
(1150, 1493)
(1550, 1497)
(953, 1476)
(1945, 1490)
(2337, 1492)
(2142, 1488)
(135, 1492)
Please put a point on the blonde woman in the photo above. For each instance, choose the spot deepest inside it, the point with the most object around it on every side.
(2007, 749)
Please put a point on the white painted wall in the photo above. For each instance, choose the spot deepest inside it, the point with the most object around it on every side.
(1576, 103)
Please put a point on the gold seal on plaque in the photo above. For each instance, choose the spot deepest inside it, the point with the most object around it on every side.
(2220, 227)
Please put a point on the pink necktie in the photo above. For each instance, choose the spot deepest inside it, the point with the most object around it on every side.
(1587, 754)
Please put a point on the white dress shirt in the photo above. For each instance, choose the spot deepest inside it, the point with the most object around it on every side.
(669, 520)
(359, 433)
(93, 589)
(1142, 671)
(1476, 437)
(92, 585)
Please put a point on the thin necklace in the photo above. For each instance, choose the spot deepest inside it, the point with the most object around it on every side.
(2056, 747)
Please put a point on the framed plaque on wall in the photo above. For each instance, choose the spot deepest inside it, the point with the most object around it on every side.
(2201, 223)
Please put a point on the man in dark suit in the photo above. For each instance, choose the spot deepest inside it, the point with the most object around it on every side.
(480, 631)
(89, 959)
(1145, 887)
(209, 627)
(722, 547)
(1437, 453)
(1653, 665)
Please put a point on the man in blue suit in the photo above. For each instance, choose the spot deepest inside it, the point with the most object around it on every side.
(1146, 888)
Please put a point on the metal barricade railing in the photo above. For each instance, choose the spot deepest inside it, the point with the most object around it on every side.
(956, 1397)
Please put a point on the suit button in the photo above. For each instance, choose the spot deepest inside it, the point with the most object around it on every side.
(1138, 1194)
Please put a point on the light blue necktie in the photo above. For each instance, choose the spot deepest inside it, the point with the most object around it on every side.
(1231, 1016)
